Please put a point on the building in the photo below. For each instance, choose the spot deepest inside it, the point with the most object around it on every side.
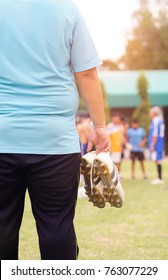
(122, 93)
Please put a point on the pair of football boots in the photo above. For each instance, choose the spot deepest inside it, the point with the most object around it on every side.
(101, 178)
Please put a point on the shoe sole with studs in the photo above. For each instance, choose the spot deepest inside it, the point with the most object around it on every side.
(86, 167)
(97, 198)
(94, 194)
(110, 191)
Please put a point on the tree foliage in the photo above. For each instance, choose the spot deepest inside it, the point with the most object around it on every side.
(106, 106)
(142, 111)
(110, 64)
(147, 46)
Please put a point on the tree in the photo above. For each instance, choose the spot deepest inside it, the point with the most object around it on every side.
(163, 4)
(142, 111)
(110, 64)
(144, 4)
(147, 46)
(106, 106)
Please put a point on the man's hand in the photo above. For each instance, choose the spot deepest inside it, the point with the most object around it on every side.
(100, 138)
(152, 148)
(141, 145)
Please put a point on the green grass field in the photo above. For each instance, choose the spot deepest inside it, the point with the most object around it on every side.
(138, 231)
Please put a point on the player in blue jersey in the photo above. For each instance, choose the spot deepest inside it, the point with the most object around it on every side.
(156, 139)
(137, 139)
(45, 46)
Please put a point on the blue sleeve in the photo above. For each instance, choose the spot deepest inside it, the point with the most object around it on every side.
(84, 55)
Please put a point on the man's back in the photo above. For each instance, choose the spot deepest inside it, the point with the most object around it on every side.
(35, 38)
(40, 45)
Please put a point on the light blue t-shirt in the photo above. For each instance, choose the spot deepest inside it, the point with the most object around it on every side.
(42, 42)
(135, 137)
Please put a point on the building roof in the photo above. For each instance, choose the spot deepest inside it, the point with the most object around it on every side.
(121, 87)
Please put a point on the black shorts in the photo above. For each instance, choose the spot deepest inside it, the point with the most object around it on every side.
(52, 182)
(137, 155)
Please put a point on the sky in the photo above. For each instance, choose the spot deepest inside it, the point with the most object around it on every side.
(109, 22)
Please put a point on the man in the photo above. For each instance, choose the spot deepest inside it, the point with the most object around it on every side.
(44, 44)
(137, 139)
(156, 141)
(116, 134)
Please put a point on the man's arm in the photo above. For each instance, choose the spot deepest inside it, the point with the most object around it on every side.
(153, 143)
(143, 142)
(89, 88)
